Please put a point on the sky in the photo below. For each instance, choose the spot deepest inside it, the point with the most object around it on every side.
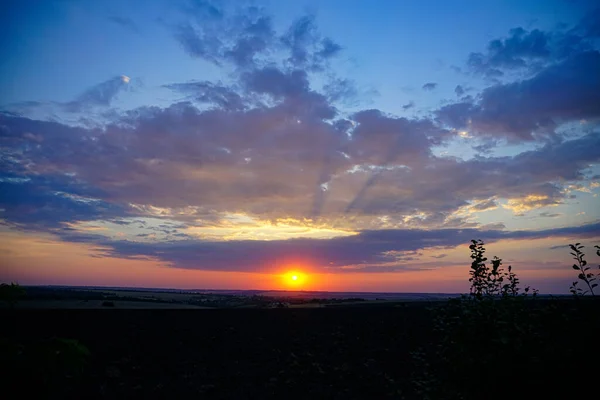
(360, 145)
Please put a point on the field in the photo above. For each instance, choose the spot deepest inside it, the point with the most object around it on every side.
(344, 352)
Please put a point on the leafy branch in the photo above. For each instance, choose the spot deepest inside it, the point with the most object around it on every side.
(585, 275)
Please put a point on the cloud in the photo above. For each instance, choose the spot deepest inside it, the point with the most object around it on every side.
(306, 47)
(246, 38)
(530, 202)
(255, 38)
(532, 108)
(516, 51)
(271, 146)
(97, 97)
(549, 215)
(217, 35)
(429, 86)
(274, 82)
(485, 205)
(40, 203)
(217, 95)
(290, 161)
(292, 89)
(100, 95)
(440, 256)
(369, 251)
(199, 44)
(341, 90)
(529, 51)
(328, 49)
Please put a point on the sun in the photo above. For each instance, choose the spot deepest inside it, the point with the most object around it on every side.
(294, 278)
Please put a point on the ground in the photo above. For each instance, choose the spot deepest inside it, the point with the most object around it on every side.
(344, 352)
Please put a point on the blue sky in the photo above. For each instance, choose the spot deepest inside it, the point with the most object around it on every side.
(173, 132)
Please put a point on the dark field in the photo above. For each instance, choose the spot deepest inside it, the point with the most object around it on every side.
(332, 353)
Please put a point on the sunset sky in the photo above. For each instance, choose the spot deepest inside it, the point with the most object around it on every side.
(360, 144)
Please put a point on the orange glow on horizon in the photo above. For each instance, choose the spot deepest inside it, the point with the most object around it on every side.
(294, 279)
(41, 259)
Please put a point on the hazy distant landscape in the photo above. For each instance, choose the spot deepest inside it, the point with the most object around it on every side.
(44, 297)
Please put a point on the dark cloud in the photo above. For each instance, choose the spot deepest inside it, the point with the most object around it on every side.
(519, 49)
(342, 90)
(255, 38)
(440, 256)
(549, 215)
(299, 38)
(524, 50)
(199, 44)
(485, 205)
(408, 105)
(287, 160)
(306, 46)
(42, 203)
(459, 90)
(277, 83)
(487, 146)
(246, 38)
(207, 92)
(204, 10)
(216, 35)
(429, 86)
(527, 109)
(101, 95)
(381, 139)
(292, 89)
(369, 251)
(328, 49)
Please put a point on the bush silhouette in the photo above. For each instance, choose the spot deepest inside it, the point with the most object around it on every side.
(11, 293)
(584, 275)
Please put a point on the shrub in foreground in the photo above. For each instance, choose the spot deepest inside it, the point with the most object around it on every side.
(499, 338)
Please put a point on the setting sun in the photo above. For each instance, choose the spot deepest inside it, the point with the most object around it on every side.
(294, 278)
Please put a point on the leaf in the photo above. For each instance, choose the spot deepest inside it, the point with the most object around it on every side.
(575, 267)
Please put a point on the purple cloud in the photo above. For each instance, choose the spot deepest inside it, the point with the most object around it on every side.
(369, 251)
(527, 109)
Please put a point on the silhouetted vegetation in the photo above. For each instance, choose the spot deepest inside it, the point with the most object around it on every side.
(10, 293)
(496, 336)
(584, 275)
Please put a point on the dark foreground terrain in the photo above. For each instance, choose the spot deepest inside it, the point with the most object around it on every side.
(330, 353)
